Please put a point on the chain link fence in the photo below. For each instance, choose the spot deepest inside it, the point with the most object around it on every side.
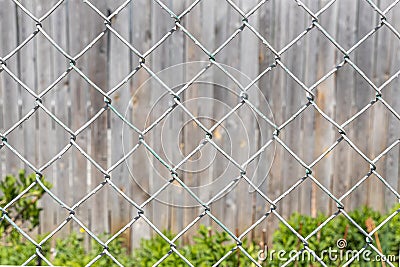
(243, 99)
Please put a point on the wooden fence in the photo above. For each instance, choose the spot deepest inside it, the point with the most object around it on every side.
(73, 25)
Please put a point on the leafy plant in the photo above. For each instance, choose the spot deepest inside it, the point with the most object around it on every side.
(25, 210)
(211, 246)
(340, 228)
(70, 251)
(15, 251)
(24, 213)
(151, 250)
(208, 245)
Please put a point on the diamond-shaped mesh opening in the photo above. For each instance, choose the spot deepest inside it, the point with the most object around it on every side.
(47, 127)
(89, 24)
(212, 32)
(75, 235)
(297, 54)
(343, 32)
(291, 31)
(296, 129)
(383, 54)
(351, 239)
(376, 117)
(206, 233)
(340, 183)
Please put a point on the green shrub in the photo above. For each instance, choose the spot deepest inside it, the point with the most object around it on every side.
(207, 248)
(14, 249)
(70, 251)
(338, 228)
(25, 209)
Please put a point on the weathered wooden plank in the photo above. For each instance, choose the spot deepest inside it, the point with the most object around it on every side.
(175, 77)
(272, 185)
(295, 98)
(277, 102)
(45, 135)
(266, 27)
(390, 94)
(139, 34)
(77, 108)
(380, 114)
(245, 137)
(325, 135)
(346, 29)
(362, 94)
(97, 71)
(26, 66)
(226, 208)
(118, 68)
(192, 134)
(58, 100)
(27, 74)
(158, 26)
(286, 170)
(223, 206)
(8, 39)
(310, 76)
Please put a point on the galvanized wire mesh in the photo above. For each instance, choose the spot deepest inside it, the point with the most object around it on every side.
(243, 100)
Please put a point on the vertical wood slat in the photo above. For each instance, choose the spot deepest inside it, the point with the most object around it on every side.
(246, 139)
(363, 93)
(346, 29)
(57, 104)
(27, 72)
(308, 147)
(97, 71)
(265, 18)
(25, 61)
(78, 111)
(8, 39)
(224, 207)
(45, 134)
(325, 100)
(159, 173)
(191, 132)
(176, 45)
(141, 37)
(391, 93)
(228, 206)
(295, 97)
(118, 67)
(287, 161)
(380, 138)
(62, 99)
(276, 100)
